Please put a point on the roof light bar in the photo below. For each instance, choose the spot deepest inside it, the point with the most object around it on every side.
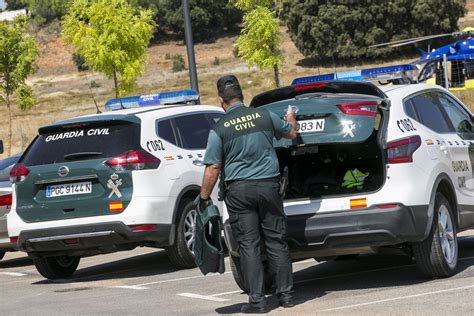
(371, 74)
(172, 97)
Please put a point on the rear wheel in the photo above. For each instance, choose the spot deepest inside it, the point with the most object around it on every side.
(238, 276)
(57, 267)
(182, 252)
(437, 255)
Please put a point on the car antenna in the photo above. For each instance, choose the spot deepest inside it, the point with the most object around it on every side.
(95, 102)
(92, 96)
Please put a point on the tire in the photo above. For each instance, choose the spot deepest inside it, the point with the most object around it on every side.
(238, 277)
(437, 255)
(237, 273)
(2, 254)
(181, 253)
(57, 267)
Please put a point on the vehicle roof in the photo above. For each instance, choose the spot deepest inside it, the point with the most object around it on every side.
(132, 114)
(407, 89)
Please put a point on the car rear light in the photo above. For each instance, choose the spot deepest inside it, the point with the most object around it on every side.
(384, 206)
(13, 240)
(401, 150)
(366, 108)
(134, 160)
(18, 173)
(6, 200)
(139, 228)
(307, 86)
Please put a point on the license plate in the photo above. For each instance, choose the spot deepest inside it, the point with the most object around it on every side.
(308, 126)
(68, 189)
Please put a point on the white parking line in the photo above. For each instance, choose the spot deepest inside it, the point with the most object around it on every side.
(13, 273)
(399, 298)
(203, 297)
(143, 285)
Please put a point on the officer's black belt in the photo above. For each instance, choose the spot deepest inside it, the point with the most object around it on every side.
(273, 179)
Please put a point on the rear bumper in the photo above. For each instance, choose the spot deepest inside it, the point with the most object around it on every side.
(351, 231)
(353, 228)
(91, 239)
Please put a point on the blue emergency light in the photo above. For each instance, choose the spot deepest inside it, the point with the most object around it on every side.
(173, 97)
(371, 74)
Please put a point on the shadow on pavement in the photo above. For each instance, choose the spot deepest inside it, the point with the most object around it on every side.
(149, 264)
(16, 262)
(365, 272)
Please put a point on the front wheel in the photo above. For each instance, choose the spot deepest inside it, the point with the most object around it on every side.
(437, 255)
(57, 267)
(182, 252)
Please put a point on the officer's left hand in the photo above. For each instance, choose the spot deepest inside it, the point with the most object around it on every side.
(203, 203)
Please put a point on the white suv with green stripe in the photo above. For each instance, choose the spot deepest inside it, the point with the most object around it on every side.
(374, 169)
(108, 182)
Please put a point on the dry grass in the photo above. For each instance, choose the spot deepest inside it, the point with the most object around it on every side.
(62, 92)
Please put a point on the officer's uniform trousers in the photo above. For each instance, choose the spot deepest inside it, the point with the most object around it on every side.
(256, 209)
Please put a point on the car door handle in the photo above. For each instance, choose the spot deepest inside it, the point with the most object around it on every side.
(198, 163)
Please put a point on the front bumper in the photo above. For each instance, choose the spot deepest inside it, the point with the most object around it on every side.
(91, 239)
(350, 231)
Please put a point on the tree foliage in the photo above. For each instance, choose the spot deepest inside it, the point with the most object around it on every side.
(259, 40)
(111, 36)
(208, 17)
(45, 11)
(18, 54)
(325, 29)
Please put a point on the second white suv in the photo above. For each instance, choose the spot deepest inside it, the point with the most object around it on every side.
(374, 169)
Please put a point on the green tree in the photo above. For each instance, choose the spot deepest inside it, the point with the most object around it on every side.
(45, 11)
(209, 18)
(259, 40)
(112, 37)
(324, 29)
(18, 52)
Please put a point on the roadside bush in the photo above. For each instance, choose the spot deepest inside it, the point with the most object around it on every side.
(178, 63)
(80, 62)
(216, 61)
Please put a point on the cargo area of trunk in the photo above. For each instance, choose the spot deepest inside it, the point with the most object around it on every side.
(316, 171)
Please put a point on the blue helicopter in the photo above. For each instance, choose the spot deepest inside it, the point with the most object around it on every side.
(454, 62)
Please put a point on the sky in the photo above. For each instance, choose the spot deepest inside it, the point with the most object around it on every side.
(2, 4)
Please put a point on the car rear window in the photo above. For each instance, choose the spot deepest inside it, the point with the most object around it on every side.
(104, 141)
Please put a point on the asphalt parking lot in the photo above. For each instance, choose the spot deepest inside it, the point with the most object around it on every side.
(143, 281)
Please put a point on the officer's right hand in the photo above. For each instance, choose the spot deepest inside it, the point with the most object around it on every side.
(290, 112)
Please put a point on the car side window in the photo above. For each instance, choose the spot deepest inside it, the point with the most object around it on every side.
(430, 113)
(460, 119)
(164, 129)
(193, 130)
(214, 117)
(409, 109)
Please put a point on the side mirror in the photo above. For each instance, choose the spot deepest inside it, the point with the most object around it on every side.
(1, 146)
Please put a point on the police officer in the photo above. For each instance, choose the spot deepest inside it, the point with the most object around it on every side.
(242, 143)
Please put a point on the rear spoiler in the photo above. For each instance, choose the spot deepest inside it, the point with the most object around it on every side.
(335, 86)
(88, 122)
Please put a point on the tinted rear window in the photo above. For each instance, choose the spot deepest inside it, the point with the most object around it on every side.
(109, 140)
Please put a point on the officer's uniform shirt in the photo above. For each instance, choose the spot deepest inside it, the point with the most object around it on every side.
(244, 136)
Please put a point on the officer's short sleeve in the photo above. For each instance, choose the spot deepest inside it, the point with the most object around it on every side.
(213, 149)
(282, 127)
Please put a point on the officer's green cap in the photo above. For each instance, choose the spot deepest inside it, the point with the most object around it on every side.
(227, 82)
